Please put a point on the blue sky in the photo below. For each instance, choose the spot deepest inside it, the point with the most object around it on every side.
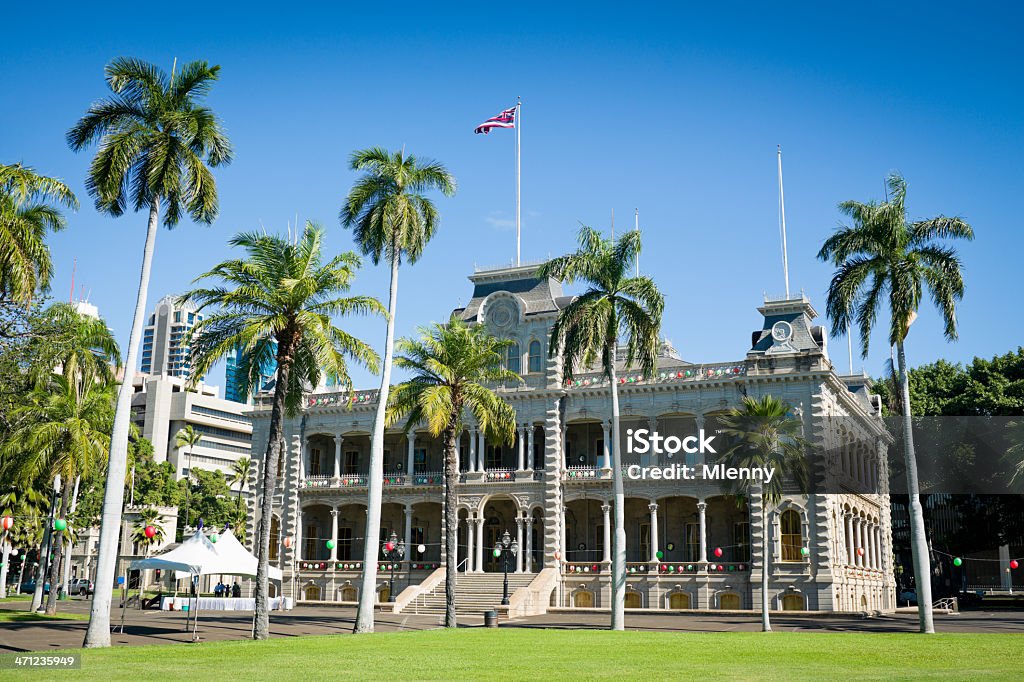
(676, 112)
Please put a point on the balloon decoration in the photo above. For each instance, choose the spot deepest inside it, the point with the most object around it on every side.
(860, 551)
(558, 555)
(60, 524)
(389, 546)
(1013, 564)
(718, 551)
(957, 561)
(288, 541)
(660, 554)
(804, 551)
(330, 544)
(149, 532)
(496, 552)
(421, 548)
(214, 537)
(7, 522)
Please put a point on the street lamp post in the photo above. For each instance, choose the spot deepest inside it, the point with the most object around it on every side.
(506, 551)
(394, 551)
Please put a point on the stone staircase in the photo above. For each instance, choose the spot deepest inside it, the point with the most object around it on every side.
(474, 593)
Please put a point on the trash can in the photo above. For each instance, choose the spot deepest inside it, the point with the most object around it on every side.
(490, 619)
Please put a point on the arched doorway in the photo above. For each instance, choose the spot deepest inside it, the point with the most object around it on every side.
(679, 600)
(584, 599)
(499, 517)
(349, 594)
(383, 594)
(633, 600)
(729, 602)
(793, 602)
(863, 602)
(311, 593)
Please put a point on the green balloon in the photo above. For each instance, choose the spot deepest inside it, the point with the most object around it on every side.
(214, 537)
(660, 554)
(497, 553)
(60, 524)
(957, 561)
(804, 551)
(330, 544)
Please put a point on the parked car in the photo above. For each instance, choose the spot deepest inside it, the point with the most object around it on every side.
(82, 586)
(908, 597)
(29, 587)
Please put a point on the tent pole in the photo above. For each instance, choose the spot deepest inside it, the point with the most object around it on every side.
(195, 622)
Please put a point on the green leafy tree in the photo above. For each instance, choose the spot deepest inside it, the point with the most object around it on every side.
(148, 517)
(240, 475)
(881, 255)
(762, 433)
(29, 210)
(187, 437)
(27, 506)
(452, 366)
(156, 145)
(615, 310)
(283, 292)
(392, 219)
(65, 434)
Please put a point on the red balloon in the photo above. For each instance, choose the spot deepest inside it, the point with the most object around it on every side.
(7, 522)
(149, 531)
(718, 551)
(389, 545)
(860, 551)
(558, 555)
(288, 541)
(1014, 564)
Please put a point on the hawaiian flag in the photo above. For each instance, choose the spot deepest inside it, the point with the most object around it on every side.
(506, 119)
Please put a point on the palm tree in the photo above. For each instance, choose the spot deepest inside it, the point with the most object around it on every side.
(88, 351)
(282, 293)
(156, 147)
(882, 254)
(27, 505)
(187, 437)
(390, 218)
(615, 308)
(451, 363)
(148, 517)
(763, 434)
(28, 211)
(239, 474)
(64, 432)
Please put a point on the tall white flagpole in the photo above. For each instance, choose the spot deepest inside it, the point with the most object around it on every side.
(782, 225)
(519, 123)
(636, 219)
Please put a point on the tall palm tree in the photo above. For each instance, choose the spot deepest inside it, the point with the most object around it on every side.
(26, 505)
(148, 517)
(283, 293)
(451, 365)
(64, 433)
(391, 218)
(29, 209)
(882, 254)
(88, 350)
(187, 437)
(239, 474)
(615, 310)
(156, 147)
(764, 434)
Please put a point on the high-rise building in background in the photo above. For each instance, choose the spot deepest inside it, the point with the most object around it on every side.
(233, 379)
(164, 351)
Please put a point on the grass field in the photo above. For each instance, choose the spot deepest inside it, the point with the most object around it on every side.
(519, 654)
(13, 616)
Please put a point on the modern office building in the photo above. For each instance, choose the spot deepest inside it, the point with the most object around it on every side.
(164, 349)
(688, 545)
(232, 381)
(163, 405)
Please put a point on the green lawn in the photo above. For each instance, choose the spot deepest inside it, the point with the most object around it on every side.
(519, 654)
(14, 616)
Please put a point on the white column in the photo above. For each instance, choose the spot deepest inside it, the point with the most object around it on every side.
(519, 542)
(334, 535)
(522, 448)
(858, 531)
(877, 544)
(606, 462)
(411, 454)
(529, 544)
(565, 454)
(472, 450)
(479, 544)
(869, 545)
(408, 532)
(338, 439)
(1005, 572)
(529, 446)
(563, 539)
(481, 453)
(698, 458)
(470, 554)
(303, 453)
(702, 508)
(849, 539)
(654, 531)
(606, 554)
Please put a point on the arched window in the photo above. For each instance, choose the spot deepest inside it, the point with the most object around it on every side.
(514, 363)
(275, 534)
(792, 539)
(535, 366)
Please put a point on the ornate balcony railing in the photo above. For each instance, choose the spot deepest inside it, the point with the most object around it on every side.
(342, 398)
(581, 567)
(316, 482)
(585, 473)
(690, 373)
(394, 479)
(354, 481)
(428, 478)
(500, 475)
(342, 565)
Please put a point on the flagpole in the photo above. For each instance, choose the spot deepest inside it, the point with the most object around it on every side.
(782, 225)
(636, 218)
(519, 123)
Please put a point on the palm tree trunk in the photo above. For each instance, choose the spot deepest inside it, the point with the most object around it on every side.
(451, 539)
(98, 633)
(918, 536)
(619, 539)
(5, 543)
(58, 555)
(766, 624)
(368, 591)
(275, 441)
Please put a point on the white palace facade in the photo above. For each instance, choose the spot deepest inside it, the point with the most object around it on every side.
(689, 546)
